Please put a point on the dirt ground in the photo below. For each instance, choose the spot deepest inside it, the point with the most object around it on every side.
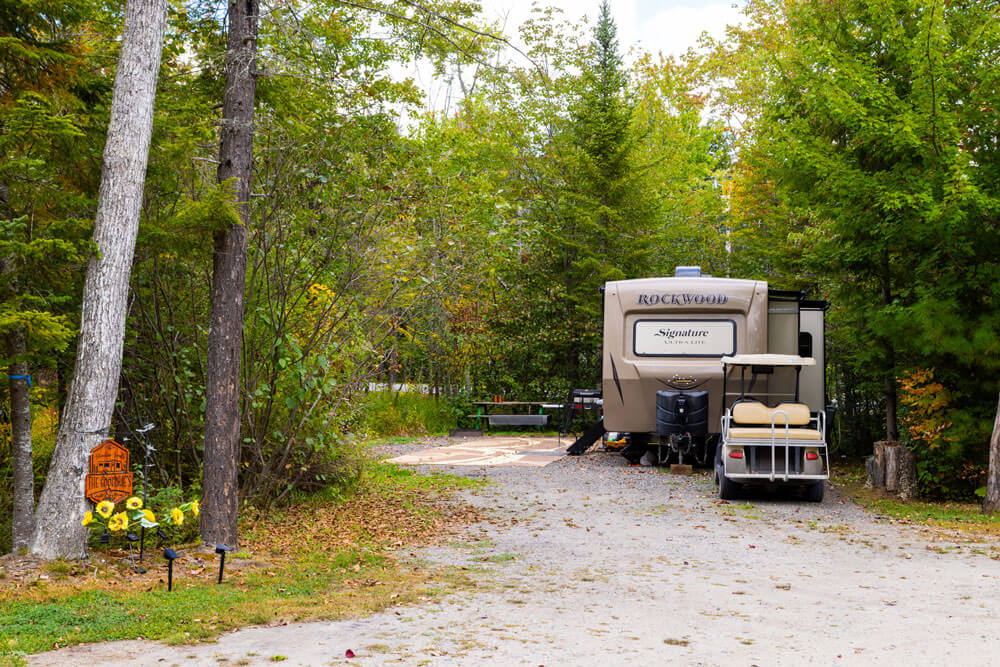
(588, 561)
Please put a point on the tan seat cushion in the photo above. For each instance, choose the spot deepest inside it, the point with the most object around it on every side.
(754, 412)
(798, 414)
(751, 412)
(779, 433)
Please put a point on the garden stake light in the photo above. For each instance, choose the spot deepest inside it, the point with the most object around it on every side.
(221, 549)
(145, 482)
(132, 538)
(171, 556)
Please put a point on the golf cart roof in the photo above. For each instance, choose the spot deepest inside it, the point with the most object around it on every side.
(768, 360)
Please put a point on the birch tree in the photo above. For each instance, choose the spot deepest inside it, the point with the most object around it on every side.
(87, 413)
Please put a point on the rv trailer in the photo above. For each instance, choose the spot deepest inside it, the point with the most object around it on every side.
(663, 379)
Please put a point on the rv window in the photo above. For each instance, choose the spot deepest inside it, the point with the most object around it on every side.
(805, 344)
(684, 338)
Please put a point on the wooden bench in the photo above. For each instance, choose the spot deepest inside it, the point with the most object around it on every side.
(506, 419)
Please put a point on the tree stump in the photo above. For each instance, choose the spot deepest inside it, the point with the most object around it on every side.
(893, 469)
(871, 472)
(875, 466)
(906, 485)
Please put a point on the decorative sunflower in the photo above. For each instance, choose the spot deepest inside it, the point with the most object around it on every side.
(133, 503)
(105, 508)
(118, 522)
(177, 516)
(88, 518)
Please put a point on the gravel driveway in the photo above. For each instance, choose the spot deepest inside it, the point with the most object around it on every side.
(593, 562)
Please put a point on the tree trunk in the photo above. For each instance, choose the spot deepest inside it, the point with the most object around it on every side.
(20, 440)
(889, 381)
(87, 414)
(893, 468)
(991, 503)
(891, 430)
(220, 502)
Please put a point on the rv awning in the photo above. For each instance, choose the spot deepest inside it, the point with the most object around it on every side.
(768, 360)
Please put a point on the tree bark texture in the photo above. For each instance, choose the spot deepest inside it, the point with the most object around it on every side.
(991, 503)
(220, 501)
(87, 414)
(907, 486)
(20, 428)
(891, 469)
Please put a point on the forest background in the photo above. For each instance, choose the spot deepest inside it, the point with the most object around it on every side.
(847, 149)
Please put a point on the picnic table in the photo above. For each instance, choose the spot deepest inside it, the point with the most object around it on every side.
(513, 413)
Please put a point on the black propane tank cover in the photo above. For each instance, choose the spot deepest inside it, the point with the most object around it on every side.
(681, 412)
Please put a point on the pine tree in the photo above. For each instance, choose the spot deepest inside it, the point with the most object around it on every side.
(607, 219)
(43, 187)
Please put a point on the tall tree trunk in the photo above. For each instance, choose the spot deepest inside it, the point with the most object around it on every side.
(889, 381)
(20, 440)
(891, 429)
(87, 414)
(220, 502)
(991, 503)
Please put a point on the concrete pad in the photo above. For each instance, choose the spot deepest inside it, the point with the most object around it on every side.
(525, 451)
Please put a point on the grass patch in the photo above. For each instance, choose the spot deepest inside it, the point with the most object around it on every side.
(326, 557)
(964, 516)
(500, 558)
(389, 413)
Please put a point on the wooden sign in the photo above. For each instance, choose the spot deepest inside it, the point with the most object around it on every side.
(109, 477)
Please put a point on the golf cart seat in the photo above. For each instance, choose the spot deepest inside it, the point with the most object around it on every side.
(753, 420)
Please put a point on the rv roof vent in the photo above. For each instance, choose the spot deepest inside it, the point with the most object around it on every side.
(687, 272)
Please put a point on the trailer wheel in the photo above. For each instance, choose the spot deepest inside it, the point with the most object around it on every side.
(814, 492)
(728, 489)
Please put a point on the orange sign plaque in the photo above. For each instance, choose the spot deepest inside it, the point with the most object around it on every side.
(109, 477)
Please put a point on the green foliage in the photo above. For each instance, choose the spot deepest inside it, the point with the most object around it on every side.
(867, 165)
(853, 154)
(44, 184)
(213, 211)
(393, 413)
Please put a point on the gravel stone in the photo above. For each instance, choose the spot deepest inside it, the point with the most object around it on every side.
(590, 561)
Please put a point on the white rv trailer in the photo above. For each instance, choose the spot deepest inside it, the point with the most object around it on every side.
(664, 341)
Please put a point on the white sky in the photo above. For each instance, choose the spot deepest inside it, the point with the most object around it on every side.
(667, 26)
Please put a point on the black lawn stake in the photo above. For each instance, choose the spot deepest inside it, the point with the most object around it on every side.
(132, 538)
(171, 556)
(221, 549)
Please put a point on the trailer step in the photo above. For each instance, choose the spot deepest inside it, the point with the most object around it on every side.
(584, 442)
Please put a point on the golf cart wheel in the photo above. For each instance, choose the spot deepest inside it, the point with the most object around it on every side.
(728, 489)
(814, 492)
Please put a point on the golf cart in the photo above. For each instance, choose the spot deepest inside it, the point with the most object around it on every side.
(762, 445)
